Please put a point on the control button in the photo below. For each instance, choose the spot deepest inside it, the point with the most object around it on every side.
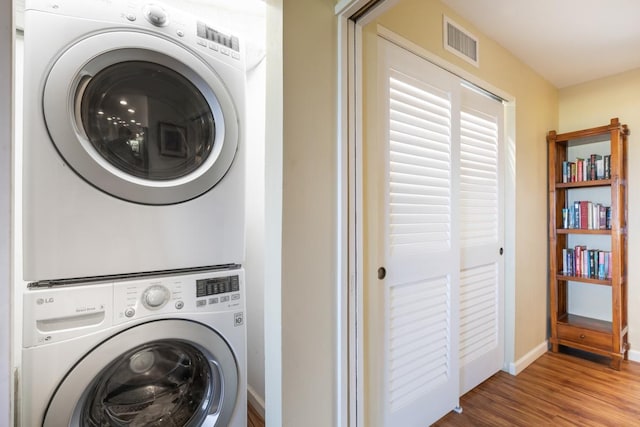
(224, 51)
(238, 319)
(202, 42)
(156, 15)
(130, 312)
(180, 33)
(130, 16)
(224, 299)
(201, 303)
(235, 55)
(235, 283)
(155, 297)
(235, 296)
(179, 304)
(213, 46)
(213, 300)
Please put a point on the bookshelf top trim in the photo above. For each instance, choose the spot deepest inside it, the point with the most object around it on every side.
(591, 135)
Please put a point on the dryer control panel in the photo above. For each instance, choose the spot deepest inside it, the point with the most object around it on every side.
(175, 23)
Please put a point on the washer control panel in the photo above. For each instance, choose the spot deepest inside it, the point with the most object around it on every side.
(207, 292)
(56, 313)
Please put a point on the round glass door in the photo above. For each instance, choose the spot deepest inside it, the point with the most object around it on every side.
(164, 373)
(164, 383)
(147, 120)
(143, 119)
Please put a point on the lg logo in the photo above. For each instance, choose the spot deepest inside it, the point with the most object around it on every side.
(41, 301)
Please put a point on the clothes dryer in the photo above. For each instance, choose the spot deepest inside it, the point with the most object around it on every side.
(145, 351)
(133, 140)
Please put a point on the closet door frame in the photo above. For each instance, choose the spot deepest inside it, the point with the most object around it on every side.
(352, 16)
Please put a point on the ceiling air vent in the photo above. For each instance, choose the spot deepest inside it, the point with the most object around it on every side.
(461, 42)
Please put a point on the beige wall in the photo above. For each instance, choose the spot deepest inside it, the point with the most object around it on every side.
(536, 112)
(594, 104)
(308, 213)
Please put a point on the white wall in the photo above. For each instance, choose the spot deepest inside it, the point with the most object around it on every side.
(6, 137)
(273, 216)
(255, 252)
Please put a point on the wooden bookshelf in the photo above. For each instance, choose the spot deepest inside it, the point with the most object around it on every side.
(567, 267)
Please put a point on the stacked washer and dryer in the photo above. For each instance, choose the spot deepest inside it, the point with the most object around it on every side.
(133, 218)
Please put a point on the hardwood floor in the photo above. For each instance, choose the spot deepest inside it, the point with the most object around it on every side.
(556, 390)
(253, 418)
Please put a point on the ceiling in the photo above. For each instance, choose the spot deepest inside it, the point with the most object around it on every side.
(566, 41)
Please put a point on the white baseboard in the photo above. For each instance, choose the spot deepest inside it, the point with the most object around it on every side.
(256, 401)
(519, 365)
(634, 355)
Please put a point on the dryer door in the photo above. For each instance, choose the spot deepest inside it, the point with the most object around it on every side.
(141, 118)
(163, 373)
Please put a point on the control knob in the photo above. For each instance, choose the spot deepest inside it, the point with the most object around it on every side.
(155, 297)
(156, 15)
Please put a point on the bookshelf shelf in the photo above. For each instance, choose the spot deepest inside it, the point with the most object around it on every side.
(586, 323)
(582, 231)
(594, 163)
(606, 282)
(585, 184)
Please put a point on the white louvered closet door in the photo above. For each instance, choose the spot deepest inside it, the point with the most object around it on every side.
(434, 215)
(481, 239)
(419, 228)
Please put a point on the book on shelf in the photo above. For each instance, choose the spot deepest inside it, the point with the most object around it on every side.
(601, 265)
(578, 254)
(602, 217)
(583, 207)
(594, 167)
(607, 166)
(593, 263)
(586, 215)
(589, 263)
(580, 169)
(600, 169)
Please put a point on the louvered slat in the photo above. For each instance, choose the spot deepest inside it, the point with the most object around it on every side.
(419, 165)
(478, 311)
(419, 338)
(478, 178)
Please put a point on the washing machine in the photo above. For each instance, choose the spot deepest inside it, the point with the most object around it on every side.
(136, 351)
(133, 140)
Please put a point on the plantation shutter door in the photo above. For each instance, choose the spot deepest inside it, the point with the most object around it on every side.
(420, 379)
(481, 238)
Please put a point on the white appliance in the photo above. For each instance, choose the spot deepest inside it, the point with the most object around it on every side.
(146, 351)
(133, 140)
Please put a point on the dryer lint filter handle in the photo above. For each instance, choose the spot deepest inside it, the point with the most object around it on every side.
(53, 315)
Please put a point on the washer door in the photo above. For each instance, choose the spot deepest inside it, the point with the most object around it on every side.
(163, 373)
(140, 117)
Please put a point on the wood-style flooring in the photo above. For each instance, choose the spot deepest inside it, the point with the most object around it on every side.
(558, 389)
(253, 418)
